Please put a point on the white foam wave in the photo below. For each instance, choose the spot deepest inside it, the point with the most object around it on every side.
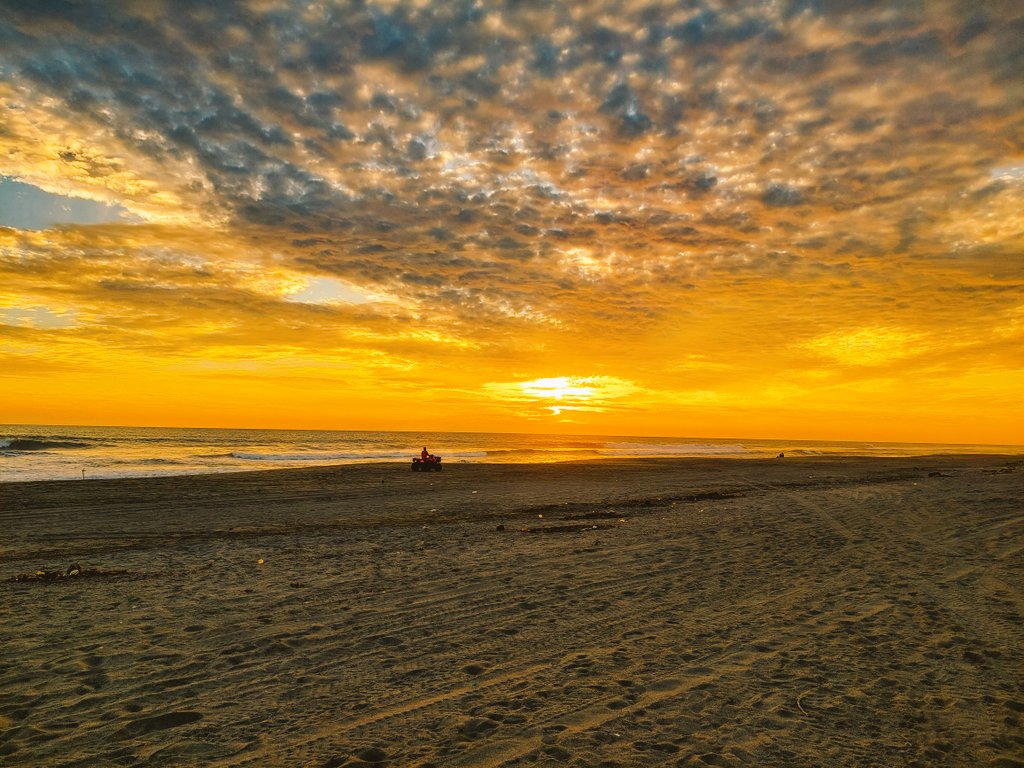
(347, 456)
(323, 456)
(672, 449)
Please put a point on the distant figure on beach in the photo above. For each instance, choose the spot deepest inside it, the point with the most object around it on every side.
(427, 462)
(781, 456)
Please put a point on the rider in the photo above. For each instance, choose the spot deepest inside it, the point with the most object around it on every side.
(424, 455)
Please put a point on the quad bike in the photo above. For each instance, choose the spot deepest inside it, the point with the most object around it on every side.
(431, 464)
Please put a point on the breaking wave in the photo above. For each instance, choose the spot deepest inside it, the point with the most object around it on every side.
(579, 450)
(673, 449)
(252, 456)
(152, 462)
(346, 456)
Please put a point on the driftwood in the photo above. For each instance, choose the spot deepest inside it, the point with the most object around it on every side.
(800, 699)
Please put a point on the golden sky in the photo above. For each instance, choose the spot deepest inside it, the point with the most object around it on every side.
(699, 218)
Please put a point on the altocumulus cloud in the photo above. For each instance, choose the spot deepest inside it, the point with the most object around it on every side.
(533, 177)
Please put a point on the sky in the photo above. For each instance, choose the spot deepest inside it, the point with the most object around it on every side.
(795, 218)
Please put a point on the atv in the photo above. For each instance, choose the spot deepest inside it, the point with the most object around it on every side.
(432, 464)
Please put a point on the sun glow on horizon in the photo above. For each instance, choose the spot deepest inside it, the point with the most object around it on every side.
(561, 395)
(559, 387)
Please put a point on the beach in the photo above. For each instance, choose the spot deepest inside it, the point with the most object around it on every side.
(648, 612)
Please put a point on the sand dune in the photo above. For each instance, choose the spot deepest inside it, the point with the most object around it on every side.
(646, 613)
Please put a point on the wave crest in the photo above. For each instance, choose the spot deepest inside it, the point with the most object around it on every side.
(673, 449)
(254, 456)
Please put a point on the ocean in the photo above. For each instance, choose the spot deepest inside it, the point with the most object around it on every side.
(31, 452)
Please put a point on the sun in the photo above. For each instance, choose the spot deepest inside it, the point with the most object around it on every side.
(569, 388)
(564, 396)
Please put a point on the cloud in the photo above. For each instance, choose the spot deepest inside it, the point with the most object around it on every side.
(516, 184)
(866, 346)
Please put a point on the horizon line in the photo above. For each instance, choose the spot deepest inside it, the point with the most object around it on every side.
(505, 432)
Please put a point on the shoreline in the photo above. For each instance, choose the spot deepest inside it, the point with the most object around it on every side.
(69, 453)
(378, 464)
(792, 612)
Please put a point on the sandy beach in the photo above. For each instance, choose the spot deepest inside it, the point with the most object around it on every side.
(811, 612)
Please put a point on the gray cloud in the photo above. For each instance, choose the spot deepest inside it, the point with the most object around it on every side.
(423, 149)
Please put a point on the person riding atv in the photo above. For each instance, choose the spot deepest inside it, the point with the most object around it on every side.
(427, 462)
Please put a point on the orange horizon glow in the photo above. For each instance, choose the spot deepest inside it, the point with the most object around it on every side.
(583, 218)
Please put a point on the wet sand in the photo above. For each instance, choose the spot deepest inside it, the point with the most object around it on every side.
(811, 612)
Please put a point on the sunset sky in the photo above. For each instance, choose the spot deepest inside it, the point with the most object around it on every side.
(797, 218)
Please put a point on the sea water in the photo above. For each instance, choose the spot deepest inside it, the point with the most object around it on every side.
(32, 452)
